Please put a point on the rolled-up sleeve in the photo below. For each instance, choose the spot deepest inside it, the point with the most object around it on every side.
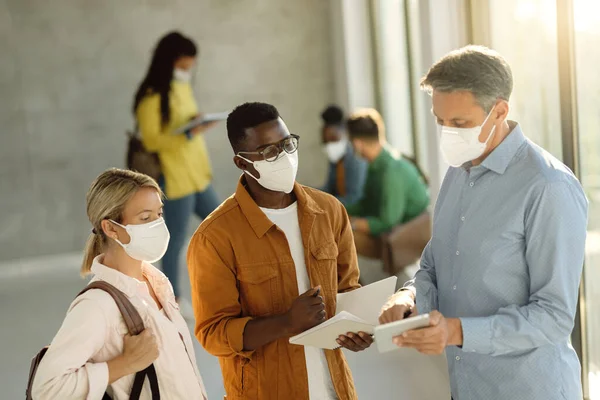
(66, 371)
(215, 297)
(235, 335)
(555, 232)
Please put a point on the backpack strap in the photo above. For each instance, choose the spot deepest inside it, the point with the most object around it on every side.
(135, 325)
(35, 363)
(132, 318)
(138, 383)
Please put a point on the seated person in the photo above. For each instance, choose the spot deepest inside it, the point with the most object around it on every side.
(347, 172)
(394, 192)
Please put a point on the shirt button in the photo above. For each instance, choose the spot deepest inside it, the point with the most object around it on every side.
(454, 287)
(471, 184)
(457, 358)
(457, 253)
(462, 218)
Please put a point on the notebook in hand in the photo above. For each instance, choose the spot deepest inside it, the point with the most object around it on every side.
(203, 119)
(324, 335)
(356, 311)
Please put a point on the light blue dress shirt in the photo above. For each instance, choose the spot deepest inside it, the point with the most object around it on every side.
(505, 257)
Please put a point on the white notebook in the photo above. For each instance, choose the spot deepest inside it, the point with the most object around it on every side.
(203, 119)
(356, 311)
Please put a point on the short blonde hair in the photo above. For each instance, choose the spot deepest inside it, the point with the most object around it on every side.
(106, 199)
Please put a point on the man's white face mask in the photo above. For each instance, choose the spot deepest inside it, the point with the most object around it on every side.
(279, 175)
(461, 145)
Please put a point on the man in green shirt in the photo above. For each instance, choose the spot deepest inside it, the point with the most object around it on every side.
(395, 191)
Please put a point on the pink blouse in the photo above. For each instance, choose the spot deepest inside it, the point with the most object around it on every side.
(92, 333)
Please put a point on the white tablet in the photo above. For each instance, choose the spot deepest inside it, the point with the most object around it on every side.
(385, 333)
(202, 119)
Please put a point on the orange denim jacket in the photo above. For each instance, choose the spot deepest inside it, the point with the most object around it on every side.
(241, 267)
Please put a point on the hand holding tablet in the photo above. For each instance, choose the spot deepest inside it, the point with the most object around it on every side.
(384, 334)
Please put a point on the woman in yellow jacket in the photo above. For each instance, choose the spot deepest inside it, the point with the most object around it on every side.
(163, 103)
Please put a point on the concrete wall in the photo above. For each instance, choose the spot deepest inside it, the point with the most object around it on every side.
(67, 77)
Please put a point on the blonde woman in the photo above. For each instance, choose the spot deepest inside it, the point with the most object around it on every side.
(92, 352)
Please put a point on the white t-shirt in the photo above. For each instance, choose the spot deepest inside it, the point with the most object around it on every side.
(320, 386)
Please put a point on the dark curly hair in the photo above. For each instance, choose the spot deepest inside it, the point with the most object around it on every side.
(248, 115)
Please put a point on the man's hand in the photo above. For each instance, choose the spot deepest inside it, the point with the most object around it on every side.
(308, 310)
(360, 225)
(442, 332)
(355, 341)
(401, 304)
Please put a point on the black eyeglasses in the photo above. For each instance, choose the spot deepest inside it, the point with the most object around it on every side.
(272, 152)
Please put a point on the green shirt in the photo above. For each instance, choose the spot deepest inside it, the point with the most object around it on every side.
(394, 193)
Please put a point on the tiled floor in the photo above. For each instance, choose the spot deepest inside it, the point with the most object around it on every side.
(33, 306)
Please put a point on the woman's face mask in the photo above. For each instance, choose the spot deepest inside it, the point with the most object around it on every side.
(148, 242)
(182, 75)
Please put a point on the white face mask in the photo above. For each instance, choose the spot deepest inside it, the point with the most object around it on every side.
(336, 150)
(148, 242)
(182, 75)
(279, 175)
(461, 145)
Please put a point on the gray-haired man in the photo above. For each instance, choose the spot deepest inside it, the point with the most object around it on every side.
(501, 273)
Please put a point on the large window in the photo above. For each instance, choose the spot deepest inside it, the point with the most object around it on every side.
(524, 31)
(393, 73)
(587, 59)
(409, 35)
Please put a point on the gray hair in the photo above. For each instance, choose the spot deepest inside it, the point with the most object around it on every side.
(475, 69)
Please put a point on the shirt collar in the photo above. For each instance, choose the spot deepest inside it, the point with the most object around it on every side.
(500, 158)
(259, 222)
(384, 156)
(127, 284)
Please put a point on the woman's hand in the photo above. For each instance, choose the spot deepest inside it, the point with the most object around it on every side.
(138, 353)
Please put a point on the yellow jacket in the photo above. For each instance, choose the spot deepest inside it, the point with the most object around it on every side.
(184, 162)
